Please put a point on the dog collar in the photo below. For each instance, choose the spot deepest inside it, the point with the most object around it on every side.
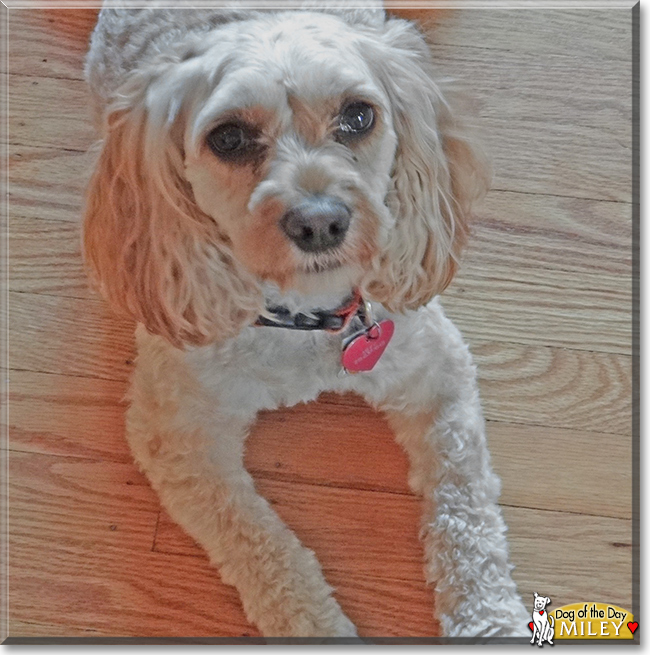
(335, 320)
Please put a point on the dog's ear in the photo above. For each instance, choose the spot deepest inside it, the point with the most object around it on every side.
(535, 593)
(548, 600)
(439, 173)
(153, 253)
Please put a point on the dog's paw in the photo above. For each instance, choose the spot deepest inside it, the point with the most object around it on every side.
(478, 619)
(322, 622)
(344, 627)
(334, 625)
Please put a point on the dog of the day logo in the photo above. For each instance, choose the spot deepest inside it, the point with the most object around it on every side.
(542, 625)
(589, 620)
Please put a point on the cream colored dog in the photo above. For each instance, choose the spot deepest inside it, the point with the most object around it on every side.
(276, 164)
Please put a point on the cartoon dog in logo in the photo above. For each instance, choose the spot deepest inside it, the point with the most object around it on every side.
(542, 625)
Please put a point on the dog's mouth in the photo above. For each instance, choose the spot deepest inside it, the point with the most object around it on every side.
(320, 267)
(323, 263)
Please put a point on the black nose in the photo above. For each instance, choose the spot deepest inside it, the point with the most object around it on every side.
(317, 224)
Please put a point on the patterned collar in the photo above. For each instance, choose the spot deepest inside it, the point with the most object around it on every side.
(334, 320)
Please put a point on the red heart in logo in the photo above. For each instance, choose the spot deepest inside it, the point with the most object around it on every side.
(541, 611)
(531, 625)
(364, 351)
(633, 627)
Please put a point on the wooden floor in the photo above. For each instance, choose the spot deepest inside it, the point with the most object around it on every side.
(544, 298)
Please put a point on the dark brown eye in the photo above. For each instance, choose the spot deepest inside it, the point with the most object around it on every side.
(355, 120)
(233, 141)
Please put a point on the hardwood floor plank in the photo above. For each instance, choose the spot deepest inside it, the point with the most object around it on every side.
(68, 336)
(565, 470)
(50, 42)
(525, 234)
(45, 258)
(501, 309)
(81, 503)
(31, 629)
(386, 608)
(584, 33)
(48, 182)
(568, 133)
(555, 387)
(67, 416)
(142, 594)
(45, 111)
(570, 558)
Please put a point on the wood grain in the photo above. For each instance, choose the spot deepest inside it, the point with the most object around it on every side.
(120, 593)
(583, 33)
(555, 386)
(43, 114)
(111, 500)
(572, 557)
(31, 629)
(46, 258)
(99, 345)
(48, 183)
(49, 42)
(66, 415)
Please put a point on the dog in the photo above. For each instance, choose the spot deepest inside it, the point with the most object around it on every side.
(279, 198)
(543, 624)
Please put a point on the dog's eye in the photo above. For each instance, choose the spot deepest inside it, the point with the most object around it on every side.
(355, 119)
(232, 141)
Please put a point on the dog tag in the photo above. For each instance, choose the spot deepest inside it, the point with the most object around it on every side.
(363, 351)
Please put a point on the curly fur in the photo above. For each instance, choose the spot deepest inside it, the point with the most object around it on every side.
(190, 247)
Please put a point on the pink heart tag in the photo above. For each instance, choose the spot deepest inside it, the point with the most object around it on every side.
(364, 351)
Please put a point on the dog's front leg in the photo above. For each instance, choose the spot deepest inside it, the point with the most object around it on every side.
(433, 406)
(463, 530)
(207, 491)
(193, 456)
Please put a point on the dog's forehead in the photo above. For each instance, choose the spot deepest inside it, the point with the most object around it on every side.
(310, 57)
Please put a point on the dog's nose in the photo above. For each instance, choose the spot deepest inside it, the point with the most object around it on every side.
(317, 224)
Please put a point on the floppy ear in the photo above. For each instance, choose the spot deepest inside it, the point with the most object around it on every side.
(438, 175)
(153, 253)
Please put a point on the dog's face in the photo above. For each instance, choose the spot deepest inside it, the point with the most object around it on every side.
(291, 153)
(293, 149)
(540, 602)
